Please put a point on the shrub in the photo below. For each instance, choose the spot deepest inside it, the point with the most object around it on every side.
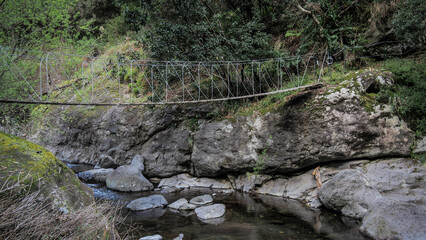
(410, 21)
(260, 162)
(410, 94)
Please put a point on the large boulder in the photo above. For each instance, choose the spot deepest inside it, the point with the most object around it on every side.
(336, 123)
(145, 203)
(23, 163)
(349, 192)
(108, 133)
(390, 219)
(401, 179)
(128, 179)
(351, 120)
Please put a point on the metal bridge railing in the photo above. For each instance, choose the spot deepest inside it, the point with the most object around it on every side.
(44, 77)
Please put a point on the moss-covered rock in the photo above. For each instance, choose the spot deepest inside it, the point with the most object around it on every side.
(32, 167)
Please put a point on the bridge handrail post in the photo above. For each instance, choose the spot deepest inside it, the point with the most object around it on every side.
(92, 72)
(167, 70)
(41, 82)
(152, 82)
(183, 82)
(259, 71)
(199, 80)
(252, 76)
(229, 79)
(131, 80)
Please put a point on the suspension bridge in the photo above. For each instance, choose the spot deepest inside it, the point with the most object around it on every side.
(65, 79)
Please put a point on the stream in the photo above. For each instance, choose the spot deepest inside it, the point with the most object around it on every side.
(247, 217)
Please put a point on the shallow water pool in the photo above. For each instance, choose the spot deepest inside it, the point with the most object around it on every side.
(246, 218)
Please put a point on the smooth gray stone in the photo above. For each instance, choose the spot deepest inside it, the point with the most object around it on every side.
(144, 203)
(212, 211)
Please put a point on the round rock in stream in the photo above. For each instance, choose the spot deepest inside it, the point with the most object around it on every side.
(201, 200)
(178, 204)
(153, 201)
(153, 237)
(128, 179)
(209, 212)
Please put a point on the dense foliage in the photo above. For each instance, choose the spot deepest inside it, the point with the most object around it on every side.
(410, 95)
(410, 21)
(201, 30)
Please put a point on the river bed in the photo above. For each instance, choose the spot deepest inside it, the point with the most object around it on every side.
(247, 217)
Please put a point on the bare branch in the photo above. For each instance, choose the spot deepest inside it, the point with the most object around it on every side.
(312, 16)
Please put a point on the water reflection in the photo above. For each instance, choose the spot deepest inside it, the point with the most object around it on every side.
(246, 217)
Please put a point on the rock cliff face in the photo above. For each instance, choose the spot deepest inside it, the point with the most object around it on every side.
(336, 123)
(348, 129)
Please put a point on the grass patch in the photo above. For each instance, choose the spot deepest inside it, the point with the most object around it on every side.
(24, 215)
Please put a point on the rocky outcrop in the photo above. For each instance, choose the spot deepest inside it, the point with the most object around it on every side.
(390, 219)
(336, 123)
(390, 204)
(349, 192)
(346, 126)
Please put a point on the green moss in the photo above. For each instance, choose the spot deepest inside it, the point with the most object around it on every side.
(19, 154)
(192, 124)
(368, 101)
(35, 167)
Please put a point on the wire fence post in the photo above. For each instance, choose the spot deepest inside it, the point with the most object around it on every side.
(344, 57)
(252, 77)
(236, 78)
(167, 70)
(183, 82)
(47, 76)
(41, 82)
(211, 78)
(131, 81)
(152, 82)
(259, 70)
(91, 78)
(229, 90)
(199, 81)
